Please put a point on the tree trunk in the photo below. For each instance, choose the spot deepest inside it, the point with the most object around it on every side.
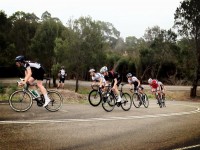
(193, 92)
(54, 81)
(77, 86)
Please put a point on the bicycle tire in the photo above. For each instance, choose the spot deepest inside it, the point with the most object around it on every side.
(109, 104)
(146, 101)
(126, 102)
(163, 102)
(56, 101)
(136, 100)
(20, 101)
(159, 101)
(94, 98)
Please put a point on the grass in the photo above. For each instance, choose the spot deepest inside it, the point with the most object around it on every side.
(6, 90)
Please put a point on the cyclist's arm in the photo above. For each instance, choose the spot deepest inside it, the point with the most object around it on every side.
(28, 74)
(115, 82)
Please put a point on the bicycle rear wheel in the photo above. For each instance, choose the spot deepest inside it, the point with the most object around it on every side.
(145, 101)
(108, 103)
(136, 100)
(94, 98)
(20, 101)
(126, 101)
(56, 101)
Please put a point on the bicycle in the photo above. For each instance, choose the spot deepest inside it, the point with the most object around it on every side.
(161, 99)
(109, 99)
(95, 95)
(22, 100)
(139, 99)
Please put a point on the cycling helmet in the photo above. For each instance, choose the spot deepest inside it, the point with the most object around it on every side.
(103, 69)
(92, 70)
(20, 59)
(150, 81)
(129, 75)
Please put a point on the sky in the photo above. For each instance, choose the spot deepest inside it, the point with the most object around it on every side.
(129, 17)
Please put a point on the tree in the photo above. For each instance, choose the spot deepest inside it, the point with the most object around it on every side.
(187, 19)
(43, 43)
(23, 30)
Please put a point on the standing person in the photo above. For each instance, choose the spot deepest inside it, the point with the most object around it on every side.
(115, 79)
(62, 74)
(97, 78)
(33, 71)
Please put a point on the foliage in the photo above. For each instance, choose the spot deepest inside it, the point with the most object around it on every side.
(187, 19)
(85, 43)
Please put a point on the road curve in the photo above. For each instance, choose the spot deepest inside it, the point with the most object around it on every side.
(83, 127)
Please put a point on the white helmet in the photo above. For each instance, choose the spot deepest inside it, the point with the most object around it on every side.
(92, 70)
(103, 69)
(129, 75)
(150, 81)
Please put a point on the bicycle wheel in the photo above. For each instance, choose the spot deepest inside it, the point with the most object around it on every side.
(56, 101)
(109, 103)
(136, 100)
(94, 98)
(163, 102)
(159, 101)
(126, 101)
(20, 101)
(145, 101)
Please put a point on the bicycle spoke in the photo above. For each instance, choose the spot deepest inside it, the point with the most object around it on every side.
(20, 101)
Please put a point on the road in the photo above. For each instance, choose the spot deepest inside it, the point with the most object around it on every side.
(83, 127)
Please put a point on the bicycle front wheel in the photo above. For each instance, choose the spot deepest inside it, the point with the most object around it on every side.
(94, 98)
(56, 101)
(126, 101)
(20, 101)
(136, 100)
(108, 103)
(145, 101)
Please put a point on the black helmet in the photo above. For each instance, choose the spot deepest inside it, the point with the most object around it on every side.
(20, 58)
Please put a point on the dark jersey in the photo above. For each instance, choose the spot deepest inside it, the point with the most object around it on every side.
(36, 68)
(111, 76)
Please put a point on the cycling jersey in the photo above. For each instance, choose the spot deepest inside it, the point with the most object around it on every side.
(154, 84)
(97, 77)
(133, 80)
(37, 70)
(111, 76)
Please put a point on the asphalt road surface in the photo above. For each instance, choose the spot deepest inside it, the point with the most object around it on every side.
(83, 127)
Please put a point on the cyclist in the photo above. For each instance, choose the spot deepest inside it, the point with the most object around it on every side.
(132, 80)
(97, 78)
(33, 71)
(115, 79)
(156, 86)
(62, 74)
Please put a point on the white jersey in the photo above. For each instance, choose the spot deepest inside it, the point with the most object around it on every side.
(132, 80)
(62, 72)
(98, 77)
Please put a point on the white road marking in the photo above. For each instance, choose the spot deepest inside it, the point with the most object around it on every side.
(103, 119)
(189, 147)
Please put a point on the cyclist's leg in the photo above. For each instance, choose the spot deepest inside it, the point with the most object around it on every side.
(39, 76)
(117, 91)
(59, 83)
